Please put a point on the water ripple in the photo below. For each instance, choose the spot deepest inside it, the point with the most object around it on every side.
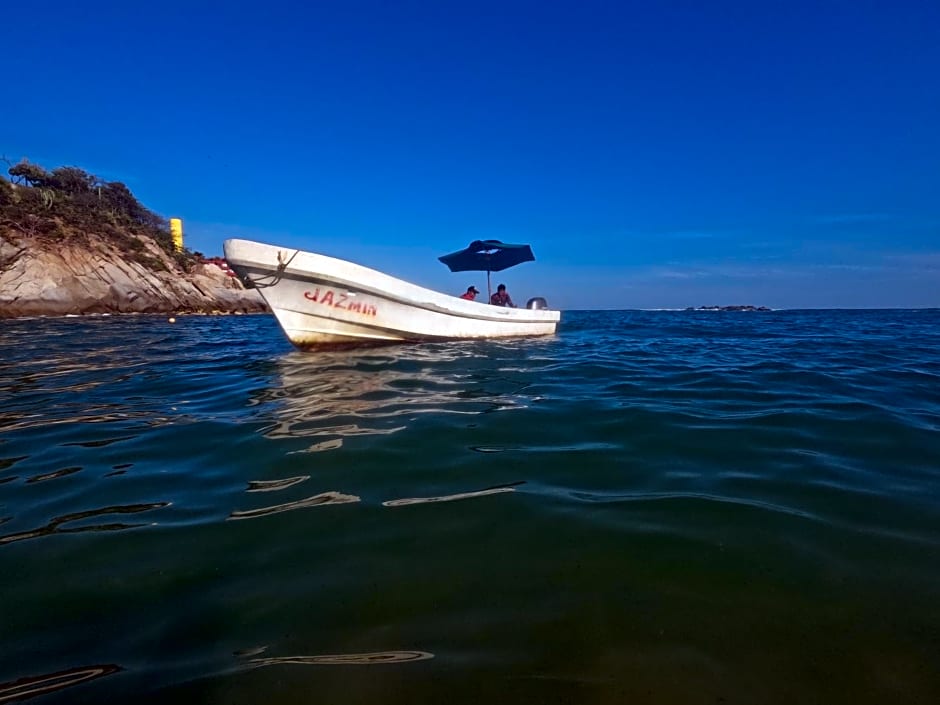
(447, 498)
(319, 500)
(55, 525)
(275, 485)
(376, 658)
(34, 686)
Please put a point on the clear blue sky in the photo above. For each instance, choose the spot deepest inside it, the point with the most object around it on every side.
(654, 154)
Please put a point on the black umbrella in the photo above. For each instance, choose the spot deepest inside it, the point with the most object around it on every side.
(488, 256)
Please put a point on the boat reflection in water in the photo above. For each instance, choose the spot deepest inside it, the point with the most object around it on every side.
(329, 396)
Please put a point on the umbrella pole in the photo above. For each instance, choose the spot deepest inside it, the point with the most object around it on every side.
(489, 293)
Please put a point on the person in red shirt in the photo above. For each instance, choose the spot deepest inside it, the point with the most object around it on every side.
(470, 294)
(501, 297)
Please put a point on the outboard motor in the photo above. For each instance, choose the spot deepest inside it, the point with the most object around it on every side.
(537, 303)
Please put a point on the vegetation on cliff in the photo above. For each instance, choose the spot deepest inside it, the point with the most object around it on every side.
(70, 206)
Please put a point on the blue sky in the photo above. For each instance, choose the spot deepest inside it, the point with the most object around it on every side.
(654, 154)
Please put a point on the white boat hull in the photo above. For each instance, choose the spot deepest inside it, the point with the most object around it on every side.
(323, 301)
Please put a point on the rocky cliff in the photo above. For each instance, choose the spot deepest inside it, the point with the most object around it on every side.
(71, 243)
(39, 279)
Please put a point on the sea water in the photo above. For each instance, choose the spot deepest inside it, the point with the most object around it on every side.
(656, 507)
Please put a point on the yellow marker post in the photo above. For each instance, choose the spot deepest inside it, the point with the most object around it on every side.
(176, 230)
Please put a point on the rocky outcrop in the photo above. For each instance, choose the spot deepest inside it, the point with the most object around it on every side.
(42, 278)
(747, 307)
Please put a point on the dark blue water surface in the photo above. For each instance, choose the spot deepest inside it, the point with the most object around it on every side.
(657, 507)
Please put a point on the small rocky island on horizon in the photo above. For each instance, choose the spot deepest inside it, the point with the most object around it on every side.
(747, 307)
(71, 243)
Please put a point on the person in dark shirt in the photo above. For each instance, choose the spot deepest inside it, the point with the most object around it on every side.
(501, 297)
(470, 294)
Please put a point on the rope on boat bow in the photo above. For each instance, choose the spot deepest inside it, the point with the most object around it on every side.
(271, 279)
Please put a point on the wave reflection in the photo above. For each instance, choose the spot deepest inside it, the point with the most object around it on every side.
(451, 497)
(34, 686)
(315, 501)
(54, 526)
(367, 659)
(53, 475)
(275, 485)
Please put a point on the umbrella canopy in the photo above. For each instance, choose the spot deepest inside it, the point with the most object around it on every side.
(487, 256)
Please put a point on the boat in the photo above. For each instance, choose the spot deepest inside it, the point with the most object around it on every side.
(322, 301)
